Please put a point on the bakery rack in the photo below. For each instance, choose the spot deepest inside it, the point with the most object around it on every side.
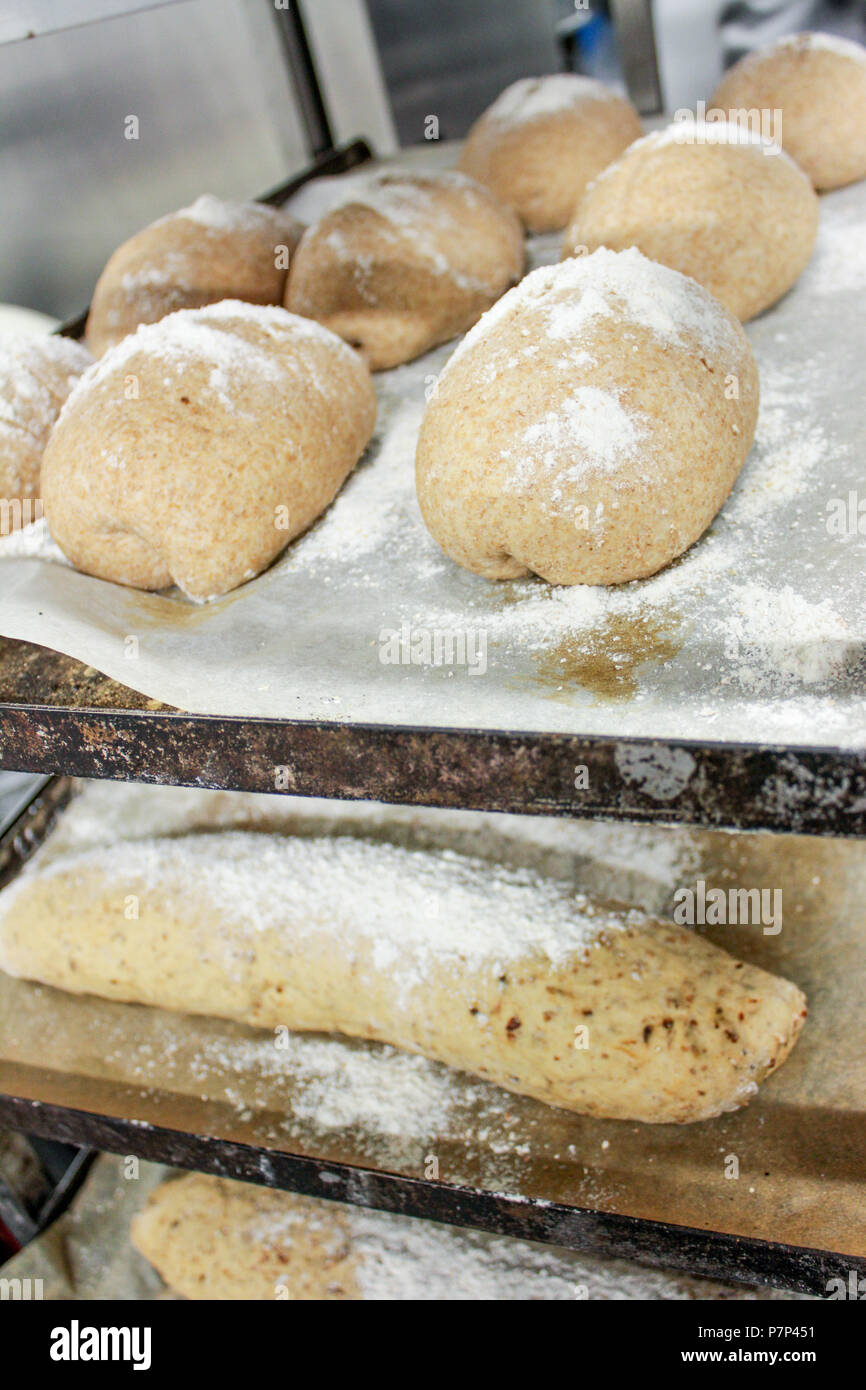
(60, 719)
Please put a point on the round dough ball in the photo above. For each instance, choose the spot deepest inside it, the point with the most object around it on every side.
(409, 261)
(201, 445)
(36, 376)
(591, 425)
(210, 251)
(543, 140)
(818, 82)
(711, 200)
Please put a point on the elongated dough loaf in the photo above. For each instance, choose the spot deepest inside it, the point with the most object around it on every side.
(211, 1238)
(499, 972)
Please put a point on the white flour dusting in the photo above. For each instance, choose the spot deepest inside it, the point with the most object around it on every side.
(336, 1086)
(32, 542)
(838, 264)
(532, 97)
(103, 813)
(775, 635)
(590, 432)
(561, 301)
(409, 911)
(36, 376)
(219, 215)
(209, 336)
(416, 216)
(816, 41)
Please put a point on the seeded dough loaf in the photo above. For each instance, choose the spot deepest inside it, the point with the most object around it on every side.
(711, 200)
(409, 261)
(818, 82)
(543, 140)
(590, 426)
(196, 449)
(36, 376)
(499, 972)
(212, 1238)
(210, 251)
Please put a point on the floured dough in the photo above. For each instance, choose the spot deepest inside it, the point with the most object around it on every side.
(543, 140)
(195, 450)
(577, 1002)
(36, 376)
(210, 251)
(818, 82)
(409, 261)
(710, 200)
(591, 425)
(211, 1238)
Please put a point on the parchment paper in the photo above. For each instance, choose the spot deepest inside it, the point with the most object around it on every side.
(800, 1146)
(756, 634)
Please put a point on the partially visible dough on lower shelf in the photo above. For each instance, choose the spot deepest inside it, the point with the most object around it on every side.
(579, 1003)
(211, 1238)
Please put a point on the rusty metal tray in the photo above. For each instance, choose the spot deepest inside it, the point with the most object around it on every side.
(94, 1073)
(650, 702)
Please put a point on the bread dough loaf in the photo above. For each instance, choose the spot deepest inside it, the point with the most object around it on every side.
(195, 450)
(210, 251)
(36, 376)
(212, 1238)
(818, 82)
(409, 261)
(499, 972)
(711, 200)
(591, 425)
(543, 140)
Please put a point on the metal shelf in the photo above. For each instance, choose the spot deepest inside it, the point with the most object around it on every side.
(57, 716)
(711, 1254)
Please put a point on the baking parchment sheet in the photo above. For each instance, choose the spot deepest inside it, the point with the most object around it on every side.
(757, 634)
(798, 1150)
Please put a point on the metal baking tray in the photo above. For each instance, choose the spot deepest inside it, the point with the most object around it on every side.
(651, 709)
(195, 1093)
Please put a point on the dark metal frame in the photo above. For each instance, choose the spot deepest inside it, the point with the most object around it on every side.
(822, 791)
(63, 1169)
(305, 79)
(709, 1254)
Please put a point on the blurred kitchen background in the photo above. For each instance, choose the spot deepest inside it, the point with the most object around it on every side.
(233, 96)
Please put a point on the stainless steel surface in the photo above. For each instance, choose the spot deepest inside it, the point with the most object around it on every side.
(634, 26)
(450, 60)
(28, 19)
(206, 81)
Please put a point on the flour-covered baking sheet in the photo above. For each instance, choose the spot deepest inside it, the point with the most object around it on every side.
(757, 634)
(790, 1167)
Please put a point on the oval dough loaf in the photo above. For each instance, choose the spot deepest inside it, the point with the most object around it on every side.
(591, 425)
(210, 251)
(36, 376)
(579, 1003)
(818, 82)
(710, 200)
(410, 261)
(543, 140)
(195, 450)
